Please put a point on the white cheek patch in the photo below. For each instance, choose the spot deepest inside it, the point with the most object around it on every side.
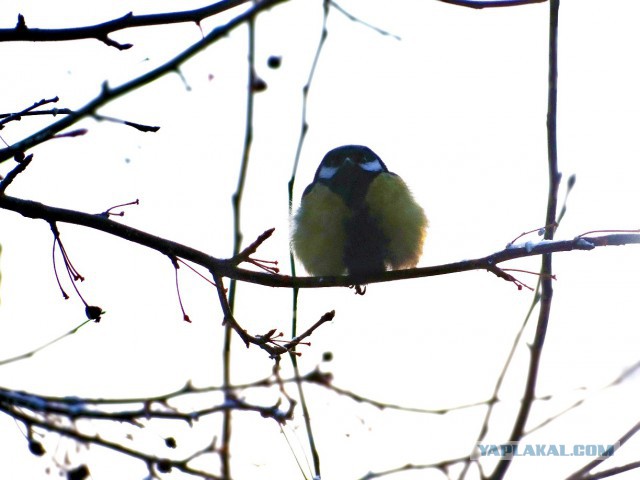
(371, 166)
(327, 172)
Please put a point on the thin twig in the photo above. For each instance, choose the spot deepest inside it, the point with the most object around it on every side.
(355, 19)
(610, 472)
(327, 317)
(31, 353)
(267, 342)
(442, 466)
(17, 170)
(67, 111)
(581, 474)
(546, 271)
(304, 128)
(108, 93)
(244, 255)
(29, 110)
(237, 242)
(491, 403)
(623, 376)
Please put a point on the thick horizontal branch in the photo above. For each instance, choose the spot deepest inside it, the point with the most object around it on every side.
(101, 222)
(101, 31)
(489, 4)
(228, 267)
(109, 94)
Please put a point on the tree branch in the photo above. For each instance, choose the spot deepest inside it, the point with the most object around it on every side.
(495, 4)
(546, 270)
(228, 268)
(109, 94)
(21, 32)
(583, 473)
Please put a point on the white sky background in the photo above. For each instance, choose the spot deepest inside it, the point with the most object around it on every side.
(457, 108)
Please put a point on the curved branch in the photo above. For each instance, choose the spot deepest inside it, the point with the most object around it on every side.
(101, 31)
(109, 94)
(477, 4)
(228, 267)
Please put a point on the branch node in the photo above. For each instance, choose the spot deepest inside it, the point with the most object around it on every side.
(21, 26)
(23, 163)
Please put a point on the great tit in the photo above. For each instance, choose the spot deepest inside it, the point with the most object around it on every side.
(356, 217)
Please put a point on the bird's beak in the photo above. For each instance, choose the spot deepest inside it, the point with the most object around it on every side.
(348, 164)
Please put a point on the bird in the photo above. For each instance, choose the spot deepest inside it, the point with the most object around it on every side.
(357, 218)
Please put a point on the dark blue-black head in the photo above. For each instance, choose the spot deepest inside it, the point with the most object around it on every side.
(348, 171)
(350, 158)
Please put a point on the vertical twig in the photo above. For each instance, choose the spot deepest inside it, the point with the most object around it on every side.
(304, 127)
(484, 429)
(237, 243)
(546, 291)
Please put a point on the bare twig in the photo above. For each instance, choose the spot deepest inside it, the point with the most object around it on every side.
(17, 170)
(7, 117)
(355, 19)
(265, 342)
(138, 126)
(101, 31)
(244, 255)
(108, 93)
(546, 271)
(304, 127)
(11, 117)
(491, 4)
(540, 232)
(237, 243)
(31, 353)
(484, 428)
(583, 473)
(624, 375)
(327, 317)
(442, 466)
(610, 472)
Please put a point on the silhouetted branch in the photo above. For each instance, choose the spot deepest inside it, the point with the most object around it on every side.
(109, 93)
(355, 19)
(23, 163)
(227, 300)
(327, 317)
(31, 353)
(583, 473)
(442, 466)
(617, 381)
(304, 128)
(11, 117)
(551, 221)
(226, 267)
(268, 342)
(7, 117)
(101, 31)
(489, 4)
